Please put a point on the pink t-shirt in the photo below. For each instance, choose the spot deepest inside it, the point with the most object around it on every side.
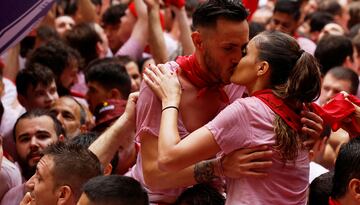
(10, 176)
(248, 122)
(148, 118)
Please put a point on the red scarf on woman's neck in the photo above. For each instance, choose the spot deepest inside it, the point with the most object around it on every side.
(278, 106)
(200, 78)
(333, 202)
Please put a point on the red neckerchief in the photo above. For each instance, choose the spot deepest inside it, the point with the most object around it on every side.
(333, 202)
(199, 78)
(278, 106)
(336, 110)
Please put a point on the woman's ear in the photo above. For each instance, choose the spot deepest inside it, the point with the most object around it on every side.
(262, 68)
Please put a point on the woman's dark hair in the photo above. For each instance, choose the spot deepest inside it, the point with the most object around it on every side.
(294, 77)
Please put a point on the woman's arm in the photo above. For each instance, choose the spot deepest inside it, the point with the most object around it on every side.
(174, 153)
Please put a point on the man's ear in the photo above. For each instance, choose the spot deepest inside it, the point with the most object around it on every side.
(115, 94)
(354, 189)
(108, 169)
(83, 128)
(197, 40)
(22, 100)
(64, 195)
(61, 138)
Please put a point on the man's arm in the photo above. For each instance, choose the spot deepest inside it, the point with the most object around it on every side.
(109, 142)
(240, 163)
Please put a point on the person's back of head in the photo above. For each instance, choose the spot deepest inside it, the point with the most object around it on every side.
(346, 180)
(292, 8)
(294, 77)
(113, 14)
(45, 34)
(200, 194)
(109, 74)
(320, 189)
(332, 7)
(84, 38)
(207, 13)
(114, 190)
(332, 51)
(346, 74)
(318, 20)
(73, 165)
(55, 54)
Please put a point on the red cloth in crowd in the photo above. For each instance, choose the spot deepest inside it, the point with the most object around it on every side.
(338, 109)
(199, 78)
(278, 106)
(251, 5)
(178, 3)
(333, 202)
(132, 9)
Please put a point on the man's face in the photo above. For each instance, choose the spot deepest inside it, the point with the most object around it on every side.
(135, 77)
(41, 96)
(283, 22)
(69, 76)
(332, 86)
(64, 23)
(67, 111)
(95, 95)
(222, 47)
(119, 33)
(32, 136)
(45, 192)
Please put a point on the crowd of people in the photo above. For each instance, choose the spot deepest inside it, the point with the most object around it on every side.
(184, 102)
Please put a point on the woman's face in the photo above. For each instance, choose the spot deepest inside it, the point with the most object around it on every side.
(246, 70)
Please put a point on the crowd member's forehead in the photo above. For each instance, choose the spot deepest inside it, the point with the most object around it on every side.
(36, 124)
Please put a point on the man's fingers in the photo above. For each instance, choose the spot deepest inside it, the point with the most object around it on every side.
(260, 155)
(254, 174)
(310, 132)
(253, 149)
(257, 165)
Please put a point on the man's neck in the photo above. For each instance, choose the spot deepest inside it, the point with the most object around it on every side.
(211, 76)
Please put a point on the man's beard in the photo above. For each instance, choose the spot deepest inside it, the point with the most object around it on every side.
(26, 170)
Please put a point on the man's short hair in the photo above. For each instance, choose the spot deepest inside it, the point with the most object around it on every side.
(332, 51)
(115, 190)
(84, 38)
(320, 189)
(109, 74)
(35, 113)
(291, 8)
(200, 194)
(113, 14)
(73, 165)
(347, 167)
(55, 54)
(343, 73)
(34, 75)
(207, 13)
(319, 19)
